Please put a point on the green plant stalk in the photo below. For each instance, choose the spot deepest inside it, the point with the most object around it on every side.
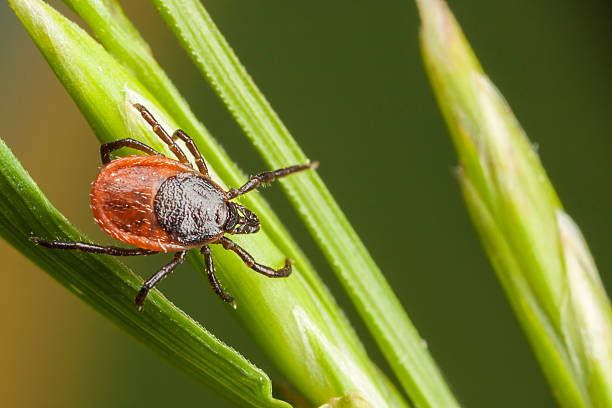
(283, 314)
(537, 251)
(365, 284)
(117, 34)
(102, 282)
(351, 400)
(109, 287)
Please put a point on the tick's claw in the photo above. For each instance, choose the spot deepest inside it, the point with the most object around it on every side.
(140, 297)
(286, 270)
(226, 297)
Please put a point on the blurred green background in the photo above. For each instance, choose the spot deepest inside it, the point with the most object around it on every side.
(348, 81)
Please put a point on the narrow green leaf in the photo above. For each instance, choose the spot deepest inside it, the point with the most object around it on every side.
(101, 281)
(536, 249)
(365, 284)
(120, 37)
(351, 400)
(109, 287)
(586, 322)
(273, 311)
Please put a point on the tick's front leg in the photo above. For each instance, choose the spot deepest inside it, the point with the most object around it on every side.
(268, 177)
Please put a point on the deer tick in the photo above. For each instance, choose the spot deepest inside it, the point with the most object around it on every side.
(164, 205)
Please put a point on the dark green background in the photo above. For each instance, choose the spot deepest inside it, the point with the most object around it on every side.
(348, 81)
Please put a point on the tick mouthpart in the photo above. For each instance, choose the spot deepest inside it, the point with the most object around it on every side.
(314, 165)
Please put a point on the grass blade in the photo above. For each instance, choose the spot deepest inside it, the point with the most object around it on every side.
(285, 316)
(121, 38)
(536, 249)
(367, 288)
(109, 287)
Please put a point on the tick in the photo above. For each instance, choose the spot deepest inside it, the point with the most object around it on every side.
(164, 205)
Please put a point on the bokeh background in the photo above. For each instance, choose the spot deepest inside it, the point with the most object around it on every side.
(348, 81)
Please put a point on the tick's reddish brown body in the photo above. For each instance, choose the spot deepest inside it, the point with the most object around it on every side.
(164, 205)
(122, 201)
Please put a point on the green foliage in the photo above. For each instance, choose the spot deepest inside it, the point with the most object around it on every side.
(351, 400)
(536, 249)
(538, 252)
(110, 288)
(350, 260)
(294, 320)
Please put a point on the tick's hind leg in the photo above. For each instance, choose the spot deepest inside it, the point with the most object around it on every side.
(159, 275)
(268, 177)
(107, 148)
(250, 262)
(91, 248)
(214, 282)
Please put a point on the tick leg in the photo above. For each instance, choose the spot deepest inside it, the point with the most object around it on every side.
(107, 148)
(193, 149)
(159, 131)
(268, 177)
(94, 249)
(214, 282)
(159, 275)
(250, 262)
